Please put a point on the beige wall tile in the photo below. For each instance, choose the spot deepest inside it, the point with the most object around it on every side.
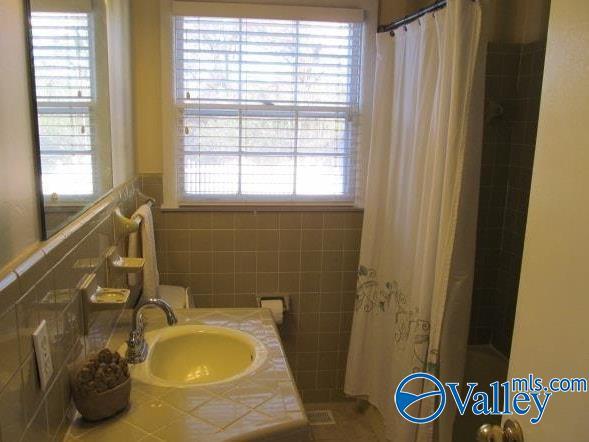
(330, 302)
(267, 282)
(352, 239)
(309, 302)
(329, 322)
(201, 262)
(333, 239)
(311, 261)
(328, 342)
(201, 240)
(223, 262)
(333, 220)
(245, 220)
(12, 416)
(310, 282)
(332, 261)
(267, 220)
(178, 240)
(223, 283)
(289, 282)
(201, 284)
(290, 220)
(31, 391)
(200, 220)
(27, 314)
(312, 220)
(37, 430)
(245, 261)
(9, 347)
(331, 281)
(245, 240)
(179, 262)
(223, 220)
(177, 220)
(245, 283)
(290, 240)
(31, 270)
(289, 261)
(223, 240)
(267, 261)
(9, 291)
(266, 240)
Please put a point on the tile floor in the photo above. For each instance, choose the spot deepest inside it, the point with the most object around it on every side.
(351, 425)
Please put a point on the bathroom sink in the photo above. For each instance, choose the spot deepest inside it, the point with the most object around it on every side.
(190, 355)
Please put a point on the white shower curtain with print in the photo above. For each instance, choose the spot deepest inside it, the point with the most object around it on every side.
(417, 254)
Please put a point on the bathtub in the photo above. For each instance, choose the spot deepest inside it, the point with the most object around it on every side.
(484, 364)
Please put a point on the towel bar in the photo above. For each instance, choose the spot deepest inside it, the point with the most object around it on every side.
(131, 225)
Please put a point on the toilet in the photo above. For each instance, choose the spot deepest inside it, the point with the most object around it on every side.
(178, 297)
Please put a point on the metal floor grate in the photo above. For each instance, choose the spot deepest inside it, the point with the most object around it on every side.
(320, 417)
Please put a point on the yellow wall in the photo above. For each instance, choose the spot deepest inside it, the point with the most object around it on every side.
(394, 9)
(145, 45)
(550, 334)
(520, 21)
(19, 225)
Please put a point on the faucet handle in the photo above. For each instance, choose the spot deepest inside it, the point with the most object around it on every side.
(136, 347)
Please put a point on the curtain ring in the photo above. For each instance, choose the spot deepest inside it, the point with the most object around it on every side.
(392, 33)
(405, 28)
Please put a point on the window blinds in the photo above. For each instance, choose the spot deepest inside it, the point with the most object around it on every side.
(64, 79)
(266, 109)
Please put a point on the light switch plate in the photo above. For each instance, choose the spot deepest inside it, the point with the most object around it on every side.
(43, 354)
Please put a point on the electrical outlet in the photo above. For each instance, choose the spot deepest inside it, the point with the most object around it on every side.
(43, 354)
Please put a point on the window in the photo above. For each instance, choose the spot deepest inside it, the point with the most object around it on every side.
(266, 109)
(65, 87)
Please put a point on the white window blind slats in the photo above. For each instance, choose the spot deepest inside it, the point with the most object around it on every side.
(266, 109)
(65, 91)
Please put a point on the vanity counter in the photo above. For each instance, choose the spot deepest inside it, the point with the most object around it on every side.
(264, 405)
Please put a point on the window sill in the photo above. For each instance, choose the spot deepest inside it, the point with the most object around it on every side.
(261, 207)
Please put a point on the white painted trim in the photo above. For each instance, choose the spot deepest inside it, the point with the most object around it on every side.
(273, 12)
(168, 110)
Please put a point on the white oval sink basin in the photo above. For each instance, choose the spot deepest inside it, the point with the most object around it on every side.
(190, 355)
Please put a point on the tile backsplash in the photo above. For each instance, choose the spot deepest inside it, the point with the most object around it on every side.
(42, 286)
(229, 257)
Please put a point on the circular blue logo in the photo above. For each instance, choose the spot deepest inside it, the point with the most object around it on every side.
(404, 399)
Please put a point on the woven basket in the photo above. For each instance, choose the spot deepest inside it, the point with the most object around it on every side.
(97, 406)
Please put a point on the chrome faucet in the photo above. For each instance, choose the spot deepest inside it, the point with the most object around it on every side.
(137, 347)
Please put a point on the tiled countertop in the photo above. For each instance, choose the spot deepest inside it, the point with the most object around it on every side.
(264, 405)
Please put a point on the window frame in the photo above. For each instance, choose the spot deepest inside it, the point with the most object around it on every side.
(324, 10)
(96, 107)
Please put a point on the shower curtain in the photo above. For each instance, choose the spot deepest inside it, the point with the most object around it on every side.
(417, 254)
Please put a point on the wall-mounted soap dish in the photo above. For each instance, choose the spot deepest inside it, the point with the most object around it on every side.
(110, 296)
(124, 264)
(96, 298)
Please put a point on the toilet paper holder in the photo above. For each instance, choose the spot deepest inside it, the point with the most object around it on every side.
(284, 298)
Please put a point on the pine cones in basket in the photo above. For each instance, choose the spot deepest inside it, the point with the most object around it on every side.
(101, 386)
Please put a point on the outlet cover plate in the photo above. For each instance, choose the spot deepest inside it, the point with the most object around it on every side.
(43, 354)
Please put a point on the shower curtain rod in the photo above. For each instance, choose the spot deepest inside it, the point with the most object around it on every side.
(391, 27)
